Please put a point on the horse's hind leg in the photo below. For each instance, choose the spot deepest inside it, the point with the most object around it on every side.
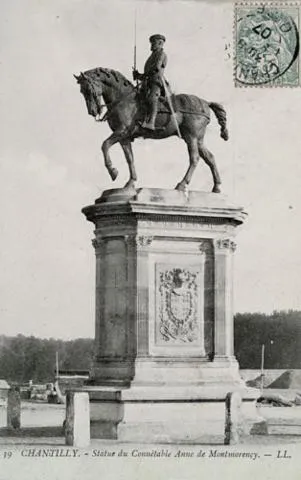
(192, 146)
(128, 152)
(210, 161)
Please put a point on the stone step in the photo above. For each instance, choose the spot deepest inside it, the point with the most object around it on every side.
(284, 429)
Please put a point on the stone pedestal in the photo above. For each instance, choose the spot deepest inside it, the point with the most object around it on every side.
(164, 319)
(77, 428)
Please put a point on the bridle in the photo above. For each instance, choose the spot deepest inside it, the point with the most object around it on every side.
(100, 106)
(109, 106)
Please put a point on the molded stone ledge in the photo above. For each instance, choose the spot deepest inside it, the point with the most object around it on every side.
(170, 393)
(165, 371)
(163, 201)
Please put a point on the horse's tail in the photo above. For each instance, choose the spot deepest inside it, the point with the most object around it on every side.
(221, 116)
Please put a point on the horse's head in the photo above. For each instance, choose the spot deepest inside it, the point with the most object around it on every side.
(110, 84)
(91, 92)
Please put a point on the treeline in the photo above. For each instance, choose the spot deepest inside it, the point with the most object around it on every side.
(280, 333)
(30, 358)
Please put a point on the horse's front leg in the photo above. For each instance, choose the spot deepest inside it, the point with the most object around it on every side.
(107, 144)
(128, 152)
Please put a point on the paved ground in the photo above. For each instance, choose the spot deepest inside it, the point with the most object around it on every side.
(42, 424)
(258, 456)
(258, 440)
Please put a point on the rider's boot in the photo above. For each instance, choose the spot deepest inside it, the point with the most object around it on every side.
(150, 124)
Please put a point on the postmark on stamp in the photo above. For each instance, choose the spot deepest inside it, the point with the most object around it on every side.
(266, 45)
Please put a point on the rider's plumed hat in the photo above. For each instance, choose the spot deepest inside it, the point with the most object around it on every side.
(157, 36)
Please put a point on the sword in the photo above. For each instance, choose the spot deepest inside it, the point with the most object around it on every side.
(135, 45)
(167, 93)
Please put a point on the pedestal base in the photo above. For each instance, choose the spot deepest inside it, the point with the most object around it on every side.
(166, 414)
(168, 371)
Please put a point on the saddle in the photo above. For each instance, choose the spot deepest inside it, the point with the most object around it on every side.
(163, 106)
(184, 103)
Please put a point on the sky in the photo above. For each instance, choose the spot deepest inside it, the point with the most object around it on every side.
(51, 164)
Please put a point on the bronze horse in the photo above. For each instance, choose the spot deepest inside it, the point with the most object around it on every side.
(126, 110)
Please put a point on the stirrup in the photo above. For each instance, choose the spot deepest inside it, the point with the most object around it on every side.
(148, 126)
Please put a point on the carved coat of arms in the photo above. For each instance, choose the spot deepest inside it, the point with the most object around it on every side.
(178, 300)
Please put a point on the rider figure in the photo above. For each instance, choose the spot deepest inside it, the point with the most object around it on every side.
(152, 83)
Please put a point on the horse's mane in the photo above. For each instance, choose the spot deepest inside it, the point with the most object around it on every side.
(109, 77)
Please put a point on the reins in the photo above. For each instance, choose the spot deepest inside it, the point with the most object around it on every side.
(109, 106)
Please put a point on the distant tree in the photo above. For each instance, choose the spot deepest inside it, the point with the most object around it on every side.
(79, 354)
(280, 332)
(30, 358)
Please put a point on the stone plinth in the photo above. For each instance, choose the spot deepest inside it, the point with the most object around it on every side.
(77, 428)
(14, 409)
(164, 319)
(4, 389)
(233, 419)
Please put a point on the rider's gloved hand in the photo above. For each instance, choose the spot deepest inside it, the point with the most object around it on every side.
(137, 75)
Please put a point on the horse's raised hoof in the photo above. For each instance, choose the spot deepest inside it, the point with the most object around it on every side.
(216, 189)
(113, 173)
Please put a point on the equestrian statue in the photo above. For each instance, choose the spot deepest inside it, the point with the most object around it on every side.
(150, 110)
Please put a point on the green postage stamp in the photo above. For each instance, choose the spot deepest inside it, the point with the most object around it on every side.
(266, 45)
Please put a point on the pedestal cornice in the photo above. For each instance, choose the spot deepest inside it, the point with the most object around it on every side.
(167, 205)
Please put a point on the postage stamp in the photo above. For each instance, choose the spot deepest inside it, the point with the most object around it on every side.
(266, 45)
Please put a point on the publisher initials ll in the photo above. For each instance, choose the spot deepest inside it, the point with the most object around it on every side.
(283, 454)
